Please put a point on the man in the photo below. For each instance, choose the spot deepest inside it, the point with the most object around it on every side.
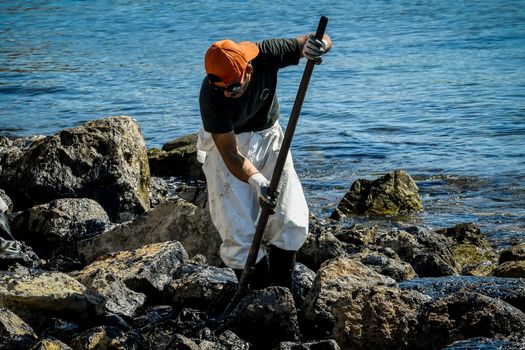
(238, 147)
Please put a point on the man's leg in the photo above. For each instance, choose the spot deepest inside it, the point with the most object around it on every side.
(281, 266)
(260, 278)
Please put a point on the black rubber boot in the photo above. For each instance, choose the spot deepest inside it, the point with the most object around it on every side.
(261, 277)
(282, 264)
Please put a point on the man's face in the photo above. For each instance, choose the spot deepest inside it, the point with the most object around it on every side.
(238, 88)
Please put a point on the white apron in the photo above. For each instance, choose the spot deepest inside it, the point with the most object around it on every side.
(234, 206)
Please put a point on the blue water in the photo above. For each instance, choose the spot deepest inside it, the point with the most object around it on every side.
(436, 88)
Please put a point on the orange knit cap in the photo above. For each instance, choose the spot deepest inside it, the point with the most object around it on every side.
(228, 60)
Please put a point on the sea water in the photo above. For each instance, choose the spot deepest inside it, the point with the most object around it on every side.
(435, 88)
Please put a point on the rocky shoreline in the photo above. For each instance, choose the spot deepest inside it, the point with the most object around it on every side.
(111, 254)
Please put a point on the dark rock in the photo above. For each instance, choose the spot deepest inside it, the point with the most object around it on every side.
(119, 298)
(510, 290)
(104, 160)
(391, 194)
(265, 317)
(61, 329)
(320, 245)
(196, 286)
(174, 220)
(55, 228)
(514, 253)
(302, 282)
(466, 315)
(514, 269)
(386, 265)
(432, 265)
(145, 270)
(177, 158)
(429, 253)
(472, 252)
(14, 332)
(357, 234)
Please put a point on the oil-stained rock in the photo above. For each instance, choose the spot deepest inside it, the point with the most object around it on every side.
(103, 159)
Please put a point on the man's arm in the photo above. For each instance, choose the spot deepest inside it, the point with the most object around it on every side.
(236, 163)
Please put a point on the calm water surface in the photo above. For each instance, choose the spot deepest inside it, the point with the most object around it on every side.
(436, 88)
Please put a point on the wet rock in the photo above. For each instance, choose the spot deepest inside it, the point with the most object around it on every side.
(472, 251)
(174, 220)
(104, 337)
(60, 329)
(510, 290)
(145, 270)
(266, 317)
(177, 158)
(377, 318)
(466, 315)
(385, 265)
(159, 191)
(36, 297)
(514, 253)
(510, 269)
(119, 298)
(104, 160)
(335, 280)
(391, 194)
(12, 150)
(232, 342)
(302, 282)
(329, 344)
(14, 332)
(357, 234)
(50, 344)
(429, 253)
(196, 286)
(55, 227)
(320, 245)
(161, 329)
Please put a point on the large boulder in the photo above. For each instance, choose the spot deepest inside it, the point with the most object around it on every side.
(55, 227)
(173, 220)
(392, 194)
(510, 290)
(335, 280)
(377, 318)
(429, 253)
(36, 297)
(472, 251)
(145, 270)
(104, 160)
(466, 315)
(196, 285)
(177, 158)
